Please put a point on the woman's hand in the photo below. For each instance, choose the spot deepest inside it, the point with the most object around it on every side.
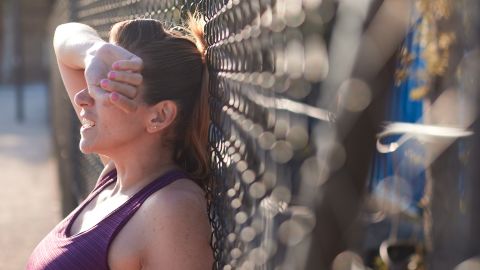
(116, 70)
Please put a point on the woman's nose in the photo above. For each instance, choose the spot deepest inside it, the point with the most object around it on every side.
(83, 98)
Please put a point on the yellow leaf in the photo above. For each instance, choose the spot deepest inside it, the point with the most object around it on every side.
(419, 92)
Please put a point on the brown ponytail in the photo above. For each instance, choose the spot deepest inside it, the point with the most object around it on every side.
(175, 69)
(196, 28)
(196, 137)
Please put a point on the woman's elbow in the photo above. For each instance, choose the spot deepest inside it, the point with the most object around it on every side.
(64, 32)
(60, 36)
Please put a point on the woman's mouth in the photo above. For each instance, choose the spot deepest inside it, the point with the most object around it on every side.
(86, 123)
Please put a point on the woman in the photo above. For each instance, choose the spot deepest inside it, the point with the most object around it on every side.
(142, 108)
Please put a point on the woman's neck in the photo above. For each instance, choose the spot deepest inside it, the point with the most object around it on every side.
(138, 165)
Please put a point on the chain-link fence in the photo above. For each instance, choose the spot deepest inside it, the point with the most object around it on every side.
(298, 92)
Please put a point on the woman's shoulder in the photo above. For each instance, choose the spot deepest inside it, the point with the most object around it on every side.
(175, 221)
(171, 228)
(180, 205)
(181, 195)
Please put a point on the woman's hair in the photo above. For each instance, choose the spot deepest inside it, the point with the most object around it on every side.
(174, 69)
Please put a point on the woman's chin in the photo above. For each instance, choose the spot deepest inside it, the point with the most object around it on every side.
(85, 151)
(85, 148)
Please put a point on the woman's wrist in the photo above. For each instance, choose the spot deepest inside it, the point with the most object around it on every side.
(92, 51)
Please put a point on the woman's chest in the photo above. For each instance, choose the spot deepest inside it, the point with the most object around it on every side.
(123, 252)
(95, 211)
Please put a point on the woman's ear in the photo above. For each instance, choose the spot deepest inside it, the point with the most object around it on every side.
(161, 116)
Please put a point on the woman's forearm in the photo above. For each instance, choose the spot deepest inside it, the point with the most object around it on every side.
(72, 42)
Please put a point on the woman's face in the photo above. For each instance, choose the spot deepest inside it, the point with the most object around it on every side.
(106, 128)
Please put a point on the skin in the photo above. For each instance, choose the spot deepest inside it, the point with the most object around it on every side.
(171, 229)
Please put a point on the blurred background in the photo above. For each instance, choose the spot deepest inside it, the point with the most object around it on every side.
(29, 195)
(344, 133)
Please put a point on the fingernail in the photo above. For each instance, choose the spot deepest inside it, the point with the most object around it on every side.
(116, 65)
(104, 83)
(112, 75)
(114, 96)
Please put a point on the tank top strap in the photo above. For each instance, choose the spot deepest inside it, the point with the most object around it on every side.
(106, 178)
(159, 183)
(126, 211)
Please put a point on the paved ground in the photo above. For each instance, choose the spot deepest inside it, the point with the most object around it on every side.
(29, 193)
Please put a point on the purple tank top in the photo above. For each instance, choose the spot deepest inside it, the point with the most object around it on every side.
(89, 249)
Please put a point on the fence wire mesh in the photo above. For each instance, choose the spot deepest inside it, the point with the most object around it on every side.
(295, 110)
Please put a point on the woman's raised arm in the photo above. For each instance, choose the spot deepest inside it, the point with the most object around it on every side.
(71, 43)
(85, 60)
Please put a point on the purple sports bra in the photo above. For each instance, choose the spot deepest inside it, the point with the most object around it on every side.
(89, 249)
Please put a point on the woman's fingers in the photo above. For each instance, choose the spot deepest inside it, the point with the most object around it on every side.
(134, 64)
(119, 87)
(122, 102)
(125, 77)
